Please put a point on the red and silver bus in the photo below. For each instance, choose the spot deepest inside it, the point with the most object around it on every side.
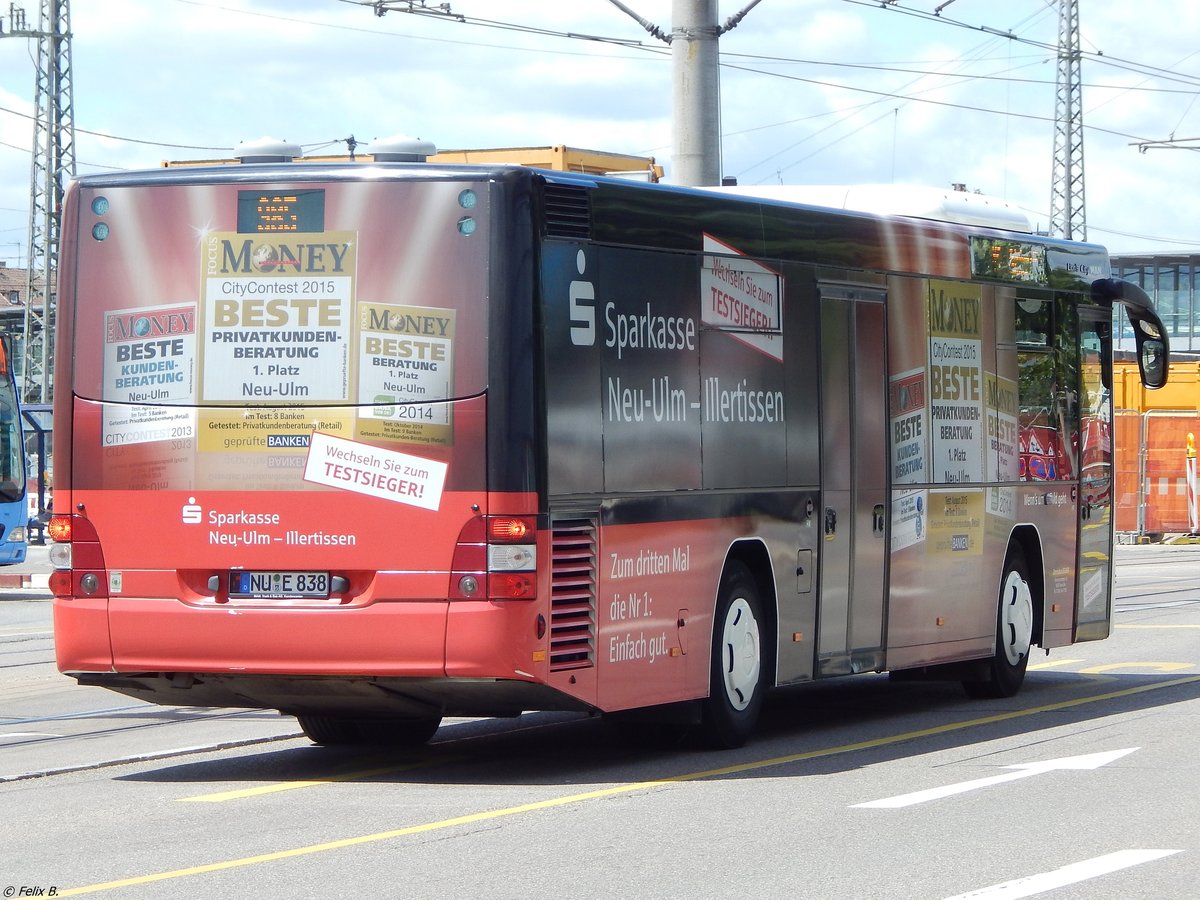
(375, 444)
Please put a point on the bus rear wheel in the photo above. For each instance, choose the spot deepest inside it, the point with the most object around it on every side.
(1005, 671)
(336, 730)
(736, 671)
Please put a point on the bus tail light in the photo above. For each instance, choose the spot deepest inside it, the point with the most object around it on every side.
(495, 559)
(59, 528)
(77, 558)
(509, 529)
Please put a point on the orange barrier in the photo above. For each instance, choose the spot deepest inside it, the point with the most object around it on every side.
(1127, 470)
(1151, 470)
(1150, 430)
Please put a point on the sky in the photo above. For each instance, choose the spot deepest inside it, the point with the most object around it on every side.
(813, 92)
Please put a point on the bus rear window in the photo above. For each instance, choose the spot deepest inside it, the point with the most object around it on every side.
(362, 294)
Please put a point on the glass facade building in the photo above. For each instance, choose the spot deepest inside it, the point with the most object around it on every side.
(1173, 282)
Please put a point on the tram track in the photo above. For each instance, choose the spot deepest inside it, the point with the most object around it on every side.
(1160, 576)
(83, 714)
(30, 735)
(37, 739)
(1124, 598)
(1167, 604)
(174, 717)
(14, 646)
(153, 756)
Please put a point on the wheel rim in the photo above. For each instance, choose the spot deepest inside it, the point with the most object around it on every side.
(1016, 622)
(740, 654)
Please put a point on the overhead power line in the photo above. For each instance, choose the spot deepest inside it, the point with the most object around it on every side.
(1171, 143)
(113, 137)
(901, 70)
(726, 56)
(1098, 57)
(747, 60)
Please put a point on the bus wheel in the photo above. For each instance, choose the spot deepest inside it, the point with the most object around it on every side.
(1014, 633)
(736, 677)
(334, 730)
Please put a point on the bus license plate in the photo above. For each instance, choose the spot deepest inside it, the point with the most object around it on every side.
(278, 585)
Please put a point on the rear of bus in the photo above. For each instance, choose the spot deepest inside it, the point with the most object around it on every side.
(273, 413)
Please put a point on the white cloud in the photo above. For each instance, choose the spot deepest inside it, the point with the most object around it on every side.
(201, 74)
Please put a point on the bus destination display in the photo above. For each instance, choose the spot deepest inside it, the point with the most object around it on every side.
(276, 212)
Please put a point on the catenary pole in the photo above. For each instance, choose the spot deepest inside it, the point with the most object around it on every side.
(695, 86)
(696, 93)
(696, 83)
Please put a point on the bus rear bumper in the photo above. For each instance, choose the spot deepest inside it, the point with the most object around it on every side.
(338, 696)
(397, 638)
(399, 658)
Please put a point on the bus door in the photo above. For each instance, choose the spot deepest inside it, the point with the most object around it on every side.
(1093, 586)
(850, 617)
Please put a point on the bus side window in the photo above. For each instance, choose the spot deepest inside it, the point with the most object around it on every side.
(1067, 399)
(1047, 386)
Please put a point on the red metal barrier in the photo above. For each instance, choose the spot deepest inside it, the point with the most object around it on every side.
(1127, 477)
(1166, 503)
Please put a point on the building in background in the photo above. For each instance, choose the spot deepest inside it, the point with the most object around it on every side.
(559, 158)
(13, 286)
(1173, 282)
(1154, 429)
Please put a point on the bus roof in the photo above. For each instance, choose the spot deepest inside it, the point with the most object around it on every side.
(917, 201)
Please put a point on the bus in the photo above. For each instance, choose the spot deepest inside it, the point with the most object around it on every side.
(378, 444)
(14, 514)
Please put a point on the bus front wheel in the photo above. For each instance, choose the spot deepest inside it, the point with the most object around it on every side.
(1005, 671)
(736, 671)
(336, 730)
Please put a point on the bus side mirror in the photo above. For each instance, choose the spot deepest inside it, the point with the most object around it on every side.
(1152, 362)
(1149, 335)
(1150, 339)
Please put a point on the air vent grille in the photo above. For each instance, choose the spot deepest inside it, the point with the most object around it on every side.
(568, 211)
(573, 594)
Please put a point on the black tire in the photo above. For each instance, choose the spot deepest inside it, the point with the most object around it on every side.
(336, 730)
(737, 669)
(1014, 633)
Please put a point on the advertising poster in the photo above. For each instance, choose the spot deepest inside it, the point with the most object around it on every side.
(910, 426)
(1001, 506)
(375, 472)
(909, 519)
(956, 522)
(956, 384)
(149, 374)
(406, 364)
(743, 297)
(277, 323)
(741, 401)
(1003, 415)
(277, 313)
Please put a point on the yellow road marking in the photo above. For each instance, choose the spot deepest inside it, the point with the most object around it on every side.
(1050, 664)
(1157, 666)
(244, 793)
(294, 785)
(569, 799)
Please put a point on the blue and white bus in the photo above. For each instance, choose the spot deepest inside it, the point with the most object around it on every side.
(14, 512)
